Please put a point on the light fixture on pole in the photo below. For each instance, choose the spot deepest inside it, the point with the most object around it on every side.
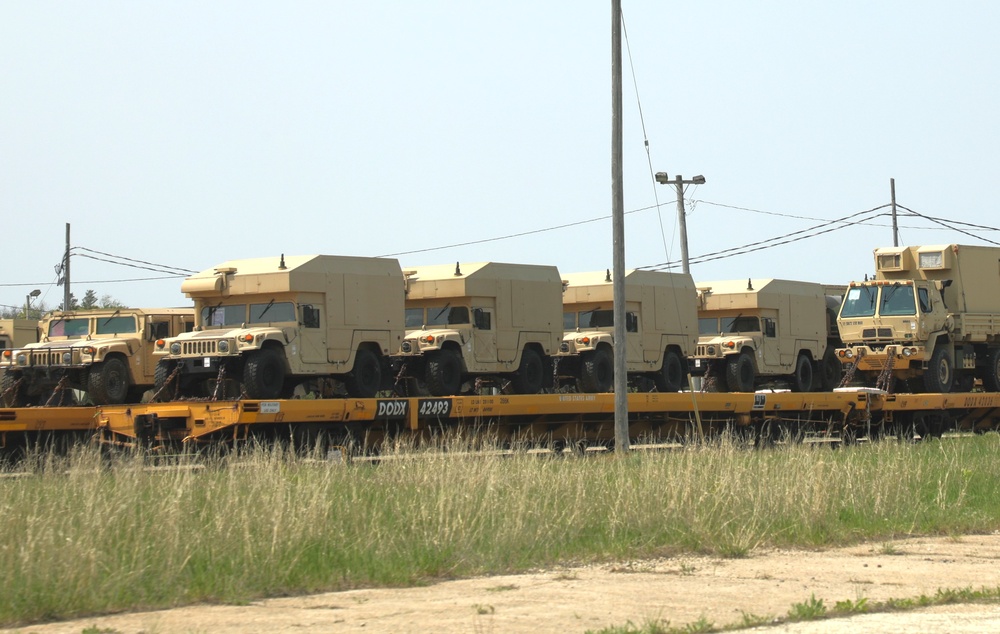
(679, 182)
(27, 300)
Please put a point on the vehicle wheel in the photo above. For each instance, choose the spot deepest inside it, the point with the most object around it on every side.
(939, 374)
(740, 373)
(991, 378)
(802, 380)
(13, 396)
(108, 382)
(163, 371)
(530, 374)
(597, 371)
(444, 373)
(831, 370)
(365, 379)
(264, 374)
(671, 376)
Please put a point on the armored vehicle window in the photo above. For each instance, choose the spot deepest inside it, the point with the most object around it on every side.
(598, 318)
(414, 317)
(925, 300)
(631, 322)
(569, 321)
(447, 315)
(69, 327)
(115, 325)
(740, 324)
(859, 302)
(484, 320)
(159, 330)
(224, 315)
(272, 312)
(310, 316)
(708, 326)
(897, 300)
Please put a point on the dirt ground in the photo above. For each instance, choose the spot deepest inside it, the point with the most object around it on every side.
(678, 590)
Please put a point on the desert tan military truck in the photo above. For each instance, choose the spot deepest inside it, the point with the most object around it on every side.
(480, 320)
(661, 316)
(267, 325)
(106, 353)
(16, 333)
(763, 330)
(931, 318)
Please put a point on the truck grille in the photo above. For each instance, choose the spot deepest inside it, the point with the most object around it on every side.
(707, 351)
(881, 333)
(198, 348)
(51, 356)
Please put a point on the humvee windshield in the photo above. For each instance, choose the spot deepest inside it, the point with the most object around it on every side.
(77, 327)
(271, 312)
(897, 300)
(115, 325)
(437, 316)
(233, 315)
(740, 323)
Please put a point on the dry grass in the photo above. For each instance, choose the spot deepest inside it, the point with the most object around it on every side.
(81, 537)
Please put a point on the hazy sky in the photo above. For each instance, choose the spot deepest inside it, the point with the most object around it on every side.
(184, 134)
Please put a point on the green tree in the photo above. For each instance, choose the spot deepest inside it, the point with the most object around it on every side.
(89, 300)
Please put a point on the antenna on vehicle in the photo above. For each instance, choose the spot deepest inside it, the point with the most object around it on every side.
(458, 271)
(607, 277)
(749, 284)
(281, 265)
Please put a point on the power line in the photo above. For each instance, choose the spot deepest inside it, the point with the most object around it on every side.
(164, 268)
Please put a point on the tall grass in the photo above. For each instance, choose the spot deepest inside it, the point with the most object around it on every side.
(81, 538)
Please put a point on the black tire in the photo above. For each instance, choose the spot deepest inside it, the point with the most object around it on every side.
(160, 375)
(530, 375)
(740, 373)
(964, 382)
(597, 371)
(444, 373)
(940, 372)
(13, 397)
(802, 380)
(365, 379)
(108, 382)
(671, 376)
(264, 374)
(831, 370)
(991, 376)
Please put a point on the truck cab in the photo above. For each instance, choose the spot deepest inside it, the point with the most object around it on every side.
(107, 353)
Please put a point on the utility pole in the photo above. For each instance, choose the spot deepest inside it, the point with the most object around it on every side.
(679, 182)
(895, 228)
(618, 233)
(66, 293)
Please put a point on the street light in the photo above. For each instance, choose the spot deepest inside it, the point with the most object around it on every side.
(27, 301)
(679, 182)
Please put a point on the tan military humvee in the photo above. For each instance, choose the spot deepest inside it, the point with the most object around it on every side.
(266, 325)
(479, 320)
(762, 329)
(931, 318)
(661, 313)
(107, 353)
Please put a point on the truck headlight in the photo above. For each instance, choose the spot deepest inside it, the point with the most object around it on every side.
(22, 359)
(849, 353)
(711, 350)
(406, 346)
(67, 358)
(907, 352)
(175, 348)
(223, 346)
